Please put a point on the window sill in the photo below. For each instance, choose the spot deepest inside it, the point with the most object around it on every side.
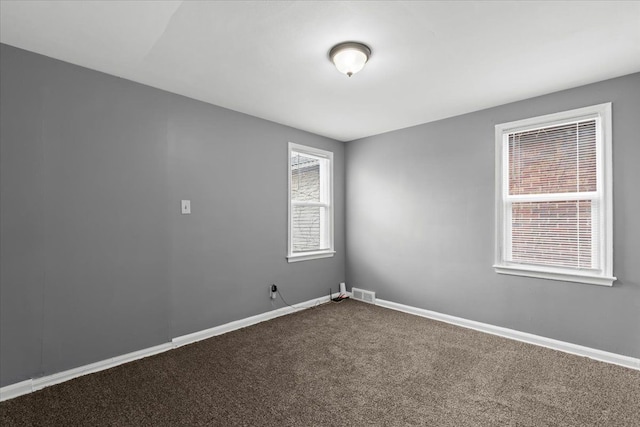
(310, 255)
(553, 274)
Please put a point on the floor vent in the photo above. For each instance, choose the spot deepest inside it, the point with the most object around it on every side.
(364, 296)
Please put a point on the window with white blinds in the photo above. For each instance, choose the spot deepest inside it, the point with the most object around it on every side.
(553, 196)
(310, 203)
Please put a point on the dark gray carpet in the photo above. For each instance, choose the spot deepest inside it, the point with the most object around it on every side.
(344, 364)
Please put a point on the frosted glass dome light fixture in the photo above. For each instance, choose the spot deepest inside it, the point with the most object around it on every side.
(349, 57)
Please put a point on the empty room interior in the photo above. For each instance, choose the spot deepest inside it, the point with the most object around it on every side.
(320, 213)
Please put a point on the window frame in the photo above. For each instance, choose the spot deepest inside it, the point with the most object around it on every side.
(326, 200)
(604, 194)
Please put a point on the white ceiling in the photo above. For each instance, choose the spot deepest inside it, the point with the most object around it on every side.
(430, 60)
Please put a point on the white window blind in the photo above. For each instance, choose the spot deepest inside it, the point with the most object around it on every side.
(553, 195)
(553, 172)
(310, 203)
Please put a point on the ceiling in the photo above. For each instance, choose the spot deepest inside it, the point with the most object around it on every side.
(430, 60)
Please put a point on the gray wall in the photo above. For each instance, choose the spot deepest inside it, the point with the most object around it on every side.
(96, 259)
(420, 224)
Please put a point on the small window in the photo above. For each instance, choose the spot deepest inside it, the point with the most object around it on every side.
(310, 203)
(554, 197)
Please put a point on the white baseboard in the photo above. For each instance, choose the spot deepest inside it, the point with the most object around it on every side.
(15, 390)
(592, 353)
(28, 386)
(60, 377)
(243, 323)
(31, 385)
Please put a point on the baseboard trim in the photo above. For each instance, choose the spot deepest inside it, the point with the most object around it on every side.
(29, 386)
(15, 390)
(243, 323)
(34, 384)
(579, 350)
(60, 377)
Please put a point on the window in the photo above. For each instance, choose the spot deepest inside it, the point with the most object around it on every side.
(554, 197)
(310, 203)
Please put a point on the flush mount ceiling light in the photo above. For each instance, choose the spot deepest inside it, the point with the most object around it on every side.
(349, 57)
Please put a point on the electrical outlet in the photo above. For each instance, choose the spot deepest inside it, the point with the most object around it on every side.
(273, 291)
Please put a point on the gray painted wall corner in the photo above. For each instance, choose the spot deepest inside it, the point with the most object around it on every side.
(97, 260)
(420, 224)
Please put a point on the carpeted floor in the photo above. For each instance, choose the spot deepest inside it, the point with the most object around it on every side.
(349, 364)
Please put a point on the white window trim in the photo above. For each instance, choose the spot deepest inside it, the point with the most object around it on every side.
(328, 192)
(603, 276)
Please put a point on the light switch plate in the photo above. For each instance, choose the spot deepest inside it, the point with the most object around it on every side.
(186, 206)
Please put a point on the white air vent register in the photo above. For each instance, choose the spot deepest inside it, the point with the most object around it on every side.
(364, 296)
